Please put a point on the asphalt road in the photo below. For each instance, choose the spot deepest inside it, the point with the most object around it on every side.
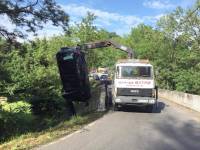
(171, 127)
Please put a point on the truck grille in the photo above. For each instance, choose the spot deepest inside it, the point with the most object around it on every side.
(134, 92)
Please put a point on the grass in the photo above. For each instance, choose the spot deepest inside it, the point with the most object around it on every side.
(33, 139)
(46, 129)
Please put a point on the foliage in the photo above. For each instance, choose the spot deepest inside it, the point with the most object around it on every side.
(85, 31)
(63, 128)
(15, 118)
(16, 107)
(31, 15)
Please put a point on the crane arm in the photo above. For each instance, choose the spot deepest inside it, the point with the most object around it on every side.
(107, 43)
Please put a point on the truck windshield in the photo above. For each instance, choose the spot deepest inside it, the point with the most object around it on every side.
(135, 71)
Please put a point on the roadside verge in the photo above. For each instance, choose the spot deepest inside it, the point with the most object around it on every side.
(31, 140)
(85, 116)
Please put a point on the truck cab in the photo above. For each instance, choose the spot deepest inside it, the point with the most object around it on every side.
(134, 84)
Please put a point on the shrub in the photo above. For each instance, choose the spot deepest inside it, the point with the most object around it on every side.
(15, 118)
(17, 107)
(47, 106)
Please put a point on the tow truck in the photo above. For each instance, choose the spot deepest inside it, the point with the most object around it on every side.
(134, 84)
(74, 73)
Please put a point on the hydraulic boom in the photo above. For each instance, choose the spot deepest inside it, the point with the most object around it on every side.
(106, 43)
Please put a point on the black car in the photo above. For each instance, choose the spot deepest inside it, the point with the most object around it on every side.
(74, 74)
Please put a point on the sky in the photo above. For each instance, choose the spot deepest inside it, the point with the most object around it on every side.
(114, 15)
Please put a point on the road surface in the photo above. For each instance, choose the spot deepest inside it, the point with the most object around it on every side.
(171, 127)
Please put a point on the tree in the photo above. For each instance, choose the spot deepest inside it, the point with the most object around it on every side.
(30, 15)
(145, 41)
(182, 32)
(85, 31)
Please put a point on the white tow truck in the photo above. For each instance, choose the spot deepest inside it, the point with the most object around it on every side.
(134, 84)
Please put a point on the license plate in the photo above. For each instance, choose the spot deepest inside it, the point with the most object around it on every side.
(142, 101)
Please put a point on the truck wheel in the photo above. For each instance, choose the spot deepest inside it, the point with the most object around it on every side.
(149, 108)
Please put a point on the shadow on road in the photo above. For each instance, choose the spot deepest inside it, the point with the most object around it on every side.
(181, 135)
(141, 109)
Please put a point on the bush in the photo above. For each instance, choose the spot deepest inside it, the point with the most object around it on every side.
(15, 118)
(17, 107)
(47, 106)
